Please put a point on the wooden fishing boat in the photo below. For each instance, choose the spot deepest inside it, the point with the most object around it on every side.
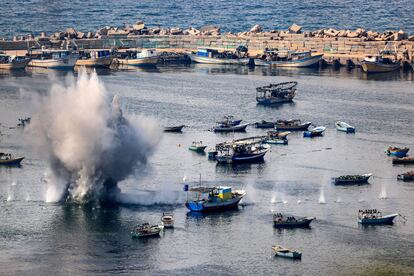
(230, 128)
(372, 217)
(276, 93)
(276, 137)
(146, 230)
(229, 120)
(145, 57)
(218, 198)
(174, 128)
(281, 221)
(344, 127)
(379, 64)
(317, 131)
(397, 152)
(403, 160)
(292, 125)
(275, 58)
(352, 179)
(53, 59)
(265, 124)
(408, 176)
(13, 62)
(167, 220)
(6, 159)
(286, 253)
(212, 56)
(95, 58)
(247, 150)
(197, 147)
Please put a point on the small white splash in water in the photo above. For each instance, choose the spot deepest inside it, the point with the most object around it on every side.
(9, 198)
(361, 200)
(338, 200)
(13, 183)
(28, 198)
(284, 201)
(299, 202)
(322, 197)
(184, 178)
(383, 193)
(273, 200)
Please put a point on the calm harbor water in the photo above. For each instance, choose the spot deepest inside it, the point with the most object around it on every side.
(45, 238)
(34, 16)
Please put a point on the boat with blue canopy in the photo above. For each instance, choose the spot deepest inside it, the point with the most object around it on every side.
(397, 152)
(213, 56)
(344, 127)
(317, 131)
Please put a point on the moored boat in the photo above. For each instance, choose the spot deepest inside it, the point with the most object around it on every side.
(265, 124)
(286, 253)
(229, 120)
(317, 131)
(344, 127)
(53, 59)
(397, 152)
(403, 160)
(276, 93)
(276, 58)
(167, 220)
(197, 147)
(281, 221)
(8, 62)
(145, 57)
(373, 216)
(292, 125)
(174, 128)
(146, 230)
(230, 128)
(276, 137)
(95, 58)
(218, 199)
(408, 176)
(6, 159)
(247, 150)
(352, 179)
(379, 64)
(212, 56)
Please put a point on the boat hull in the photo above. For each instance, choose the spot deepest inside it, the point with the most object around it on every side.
(96, 62)
(398, 153)
(174, 129)
(305, 62)
(270, 101)
(290, 255)
(404, 160)
(301, 127)
(376, 67)
(213, 206)
(405, 177)
(11, 162)
(304, 223)
(197, 149)
(276, 141)
(68, 63)
(14, 65)
(239, 128)
(208, 60)
(265, 125)
(243, 158)
(389, 219)
(145, 61)
(338, 181)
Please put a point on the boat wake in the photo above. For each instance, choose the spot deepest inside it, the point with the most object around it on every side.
(87, 141)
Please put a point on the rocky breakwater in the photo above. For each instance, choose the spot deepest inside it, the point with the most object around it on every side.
(343, 46)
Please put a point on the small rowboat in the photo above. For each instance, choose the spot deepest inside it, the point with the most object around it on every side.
(197, 147)
(342, 126)
(372, 217)
(397, 152)
(285, 252)
(404, 160)
(146, 230)
(265, 124)
(317, 131)
(174, 128)
(8, 160)
(352, 179)
(229, 128)
(167, 220)
(281, 221)
(277, 138)
(408, 176)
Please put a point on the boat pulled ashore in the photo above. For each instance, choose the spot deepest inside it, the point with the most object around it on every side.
(8, 62)
(6, 159)
(209, 199)
(408, 176)
(280, 58)
(373, 216)
(292, 125)
(276, 93)
(213, 56)
(95, 58)
(352, 179)
(286, 253)
(344, 127)
(276, 137)
(53, 59)
(146, 230)
(145, 57)
(397, 152)
(317, 131)
(167, 220)
(246, 150)
(281, 221)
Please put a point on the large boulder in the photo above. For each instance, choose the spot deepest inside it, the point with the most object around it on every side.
(103, 31)
(295, 29)
(80, 35)
(361, 32)
(210, 30)
(70, 33)
(400, 35)
(193, 31)
(139, 25)
(256, 29)
(176, 31)
(331, 32)
(89, 35)
(411, 38)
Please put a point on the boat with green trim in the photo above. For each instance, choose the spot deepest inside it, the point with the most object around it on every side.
(197, 147)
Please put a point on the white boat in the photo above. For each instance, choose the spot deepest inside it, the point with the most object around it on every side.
(146, 230)
(95, 58)
(342, 126)
(146, 57)
(317, 131)
(53, 59)
(285, 252)
(288, 59)
(212, 56)
(167, 220)
(13, 62)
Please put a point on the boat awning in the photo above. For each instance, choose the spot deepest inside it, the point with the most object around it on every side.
(202, 189)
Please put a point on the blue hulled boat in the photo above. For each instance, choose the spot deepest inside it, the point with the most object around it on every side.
(397, 152)
(7, 159)
(247, 150)
(317, 131)
(371, 217)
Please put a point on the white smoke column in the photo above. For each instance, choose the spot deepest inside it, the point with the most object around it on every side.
(88, 143)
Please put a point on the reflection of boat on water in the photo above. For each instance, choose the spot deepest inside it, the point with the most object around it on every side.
(146, 230)
(286, 253)
(276, 93)
(281, 221)
(372, 216)
(317, 131)
(344, 127)
(8, 62)
(212, 56)
(6, 159)
(53, 59)
(242, 150)
(218, 198)
(352, 179)
(292, 125)
(278, 58)
(397, 152)
(95, 58)
(145, 57)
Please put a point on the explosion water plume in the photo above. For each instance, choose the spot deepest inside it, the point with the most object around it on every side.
(88, 143)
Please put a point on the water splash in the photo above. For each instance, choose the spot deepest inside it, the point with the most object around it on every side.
(338, 200)
(322, 197)
(299, 201)
(383, 193)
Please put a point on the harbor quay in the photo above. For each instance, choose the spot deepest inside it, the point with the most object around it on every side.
(339, 48)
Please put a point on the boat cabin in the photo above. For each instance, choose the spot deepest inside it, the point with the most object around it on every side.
(214, 194)
(50, 54)
(95, 54)
(134, 54)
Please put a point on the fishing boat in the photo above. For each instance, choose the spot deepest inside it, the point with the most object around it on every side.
(145, 57)
(352, 179)
(317, 131)
(281, 221)
(246, 150)
(276, 58)
(209, 199)
(229, 120)
(397, 152)
(286, 253)
(53, 59)
(276, 93)
(276, 137)
(212, 56)
(379, 64)
(146, 230)
(13, 62)
(344, 127)
(6, 159)
(167, 220)
(403, 160)
(95, 58)
(174, 128)
(265, 124)
(197, 147)
(292, 125)
(230, 128)
(408, 176)
(373, 216)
